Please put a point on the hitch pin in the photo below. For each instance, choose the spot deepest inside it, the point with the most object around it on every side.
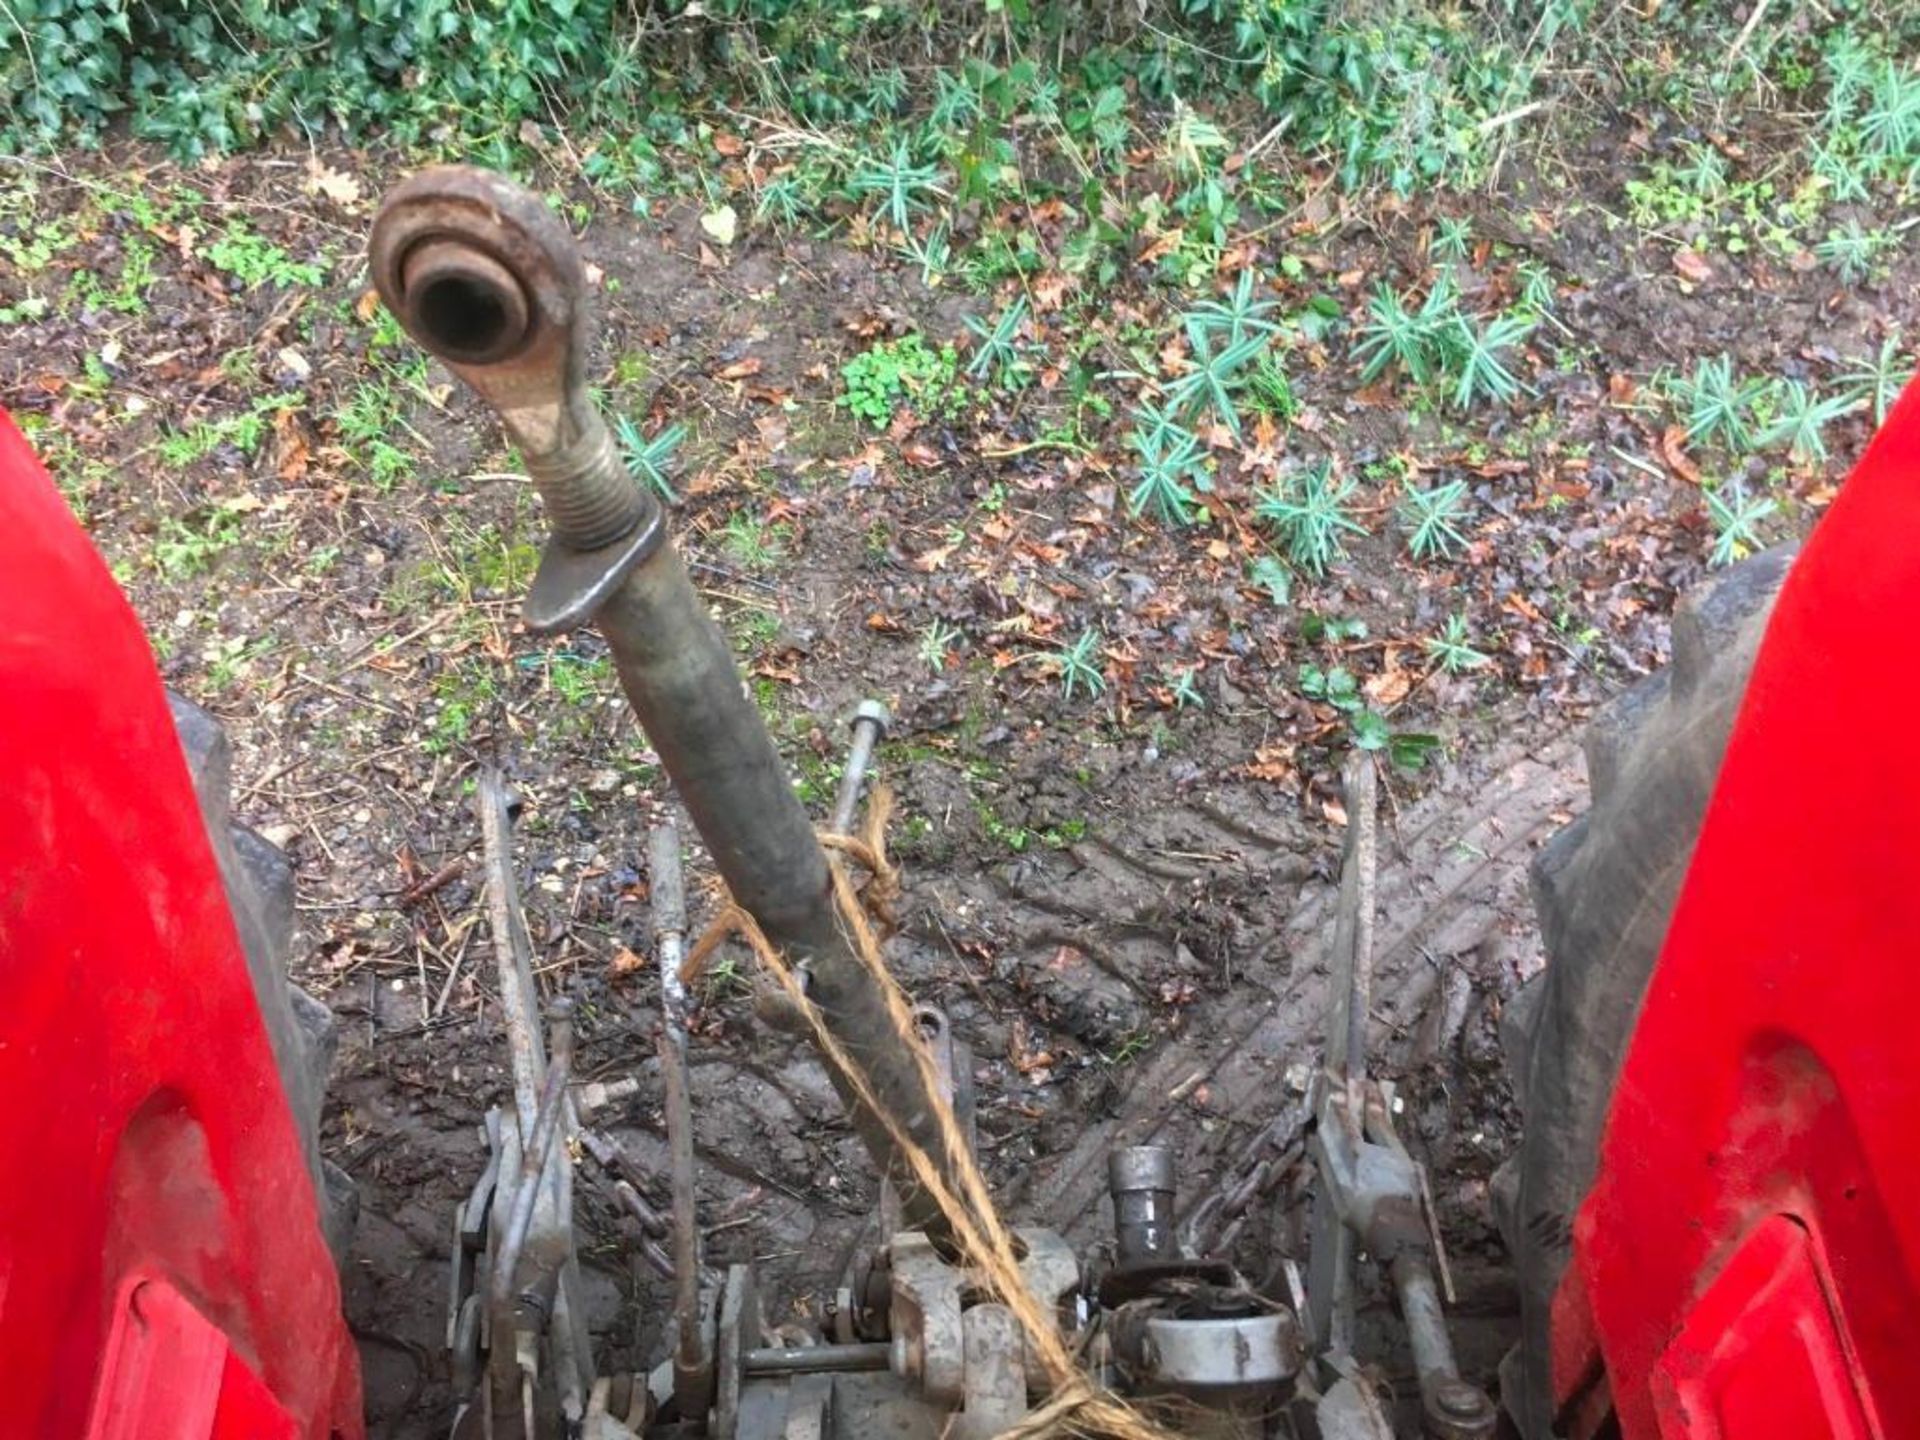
(870, 723)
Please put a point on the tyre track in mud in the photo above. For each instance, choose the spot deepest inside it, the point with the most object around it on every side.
(1453, 892)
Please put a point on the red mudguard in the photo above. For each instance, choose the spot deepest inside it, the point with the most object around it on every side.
(1747, 1265)
(162, 1270)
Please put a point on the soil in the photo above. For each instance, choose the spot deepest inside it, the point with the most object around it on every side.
(1124, 907)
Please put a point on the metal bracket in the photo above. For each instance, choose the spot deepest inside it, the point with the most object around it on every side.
(571, 585)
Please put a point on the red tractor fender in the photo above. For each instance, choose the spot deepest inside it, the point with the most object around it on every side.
(162, 1268)
(1747, 1263)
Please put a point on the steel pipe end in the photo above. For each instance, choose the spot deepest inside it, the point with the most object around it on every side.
(461, 303)
(480, 272)
(873, 712)
(1140, 1167)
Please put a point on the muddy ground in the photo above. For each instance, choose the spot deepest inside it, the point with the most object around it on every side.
(1122, 904)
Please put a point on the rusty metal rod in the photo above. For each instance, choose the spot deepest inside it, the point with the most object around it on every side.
(481, 274)
(533, 1163)
(817, 1359)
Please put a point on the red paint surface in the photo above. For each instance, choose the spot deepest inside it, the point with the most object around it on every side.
(1748, 1263)
(143, 1132)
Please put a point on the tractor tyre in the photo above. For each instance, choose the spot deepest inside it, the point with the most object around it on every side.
(1604, 888)
(259, 889)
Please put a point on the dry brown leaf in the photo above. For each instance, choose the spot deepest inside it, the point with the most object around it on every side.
(623, 962)
(740, 369)
(1162, 246)
(1272, 763)
(1692, 265)
(1673, 450)
(323, 179)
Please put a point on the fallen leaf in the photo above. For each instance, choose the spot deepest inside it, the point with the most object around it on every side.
(931, 560)
(323, 179)
(623, 962)
(1692, 265)
(740, 369)
(1391, 685)
(1272, 763)
(1049, 290)
(722, 224)
(728, 144)
(1673, 450)
(1519, 605)
(366, 306)
(1162, 246)
(883, 624)
(920, 453)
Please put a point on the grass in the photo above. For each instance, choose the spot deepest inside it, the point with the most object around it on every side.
(751, 543)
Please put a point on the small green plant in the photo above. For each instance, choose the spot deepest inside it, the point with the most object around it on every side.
(1478, 358)
(999, 355)
(1452, 649)
(1309, 512)
(1735, 517)
(1452, 239)
(900, 185)
(1185, 692)
(751, 542)
(1216, 378)
(1803, 419)
(1237, 317)
(936, 645)
(878, 381)
(1853, 252)
(190, 547)
(255, 261)
(1431, 519)
(647, 459)
(1079, 666)
(1880, 377)
(1172, 468)
(1718, 406)
(1335, 686)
